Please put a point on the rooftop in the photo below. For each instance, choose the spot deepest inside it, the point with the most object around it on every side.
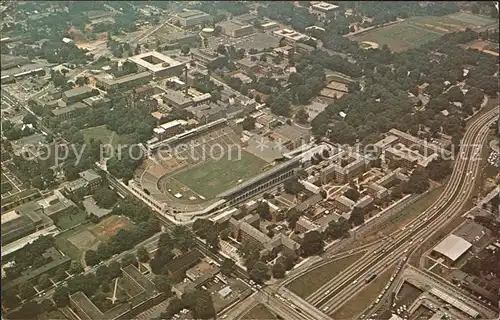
(110, 80)
(324, 6)
(191, 14)
(453, 247)
(77, 91)
(154, 61)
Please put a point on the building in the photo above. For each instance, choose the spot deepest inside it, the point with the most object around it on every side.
(302, 48)
(97, 101)
(343, 203)
(324, 11)
(261, 182)
(109, 83)
(158, 64)
(177, 39)
(247, 65)
(452, 248)
(68, 112)
(170, 129)
(89, 181)
(291, 36)
(57, 260)
(191, 18)
(243, 231)
(207, 57)
(177, 99)
(24, 220)
(178, 266)
(290, 136)
(140, 296)
(236, 28)
(344, 166)
(78, 94)
(206, 113)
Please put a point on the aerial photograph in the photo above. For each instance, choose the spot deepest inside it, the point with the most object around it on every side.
(250, 160)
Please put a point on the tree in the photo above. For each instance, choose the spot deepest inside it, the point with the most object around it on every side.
(302, 116)
(259, 272)
(263, 210)
(224, 234)
(185, 49)
(357, 217)
(338, 229)
(26, 290)
(249, 123)
(44, 281)
(200, 303)
(278, 270)
(105, 197)
(91, 258)
(258, 98)
(29, 119)
(227, 267)
(102, 274)
(142, 254)
(312, 243)
(184, 238)
(293, 186)
(287, 259)
(162, 284)
(61, 297)
(128, 259)
(75, 267)
(474, 8)
(352, 194)
(292, 216)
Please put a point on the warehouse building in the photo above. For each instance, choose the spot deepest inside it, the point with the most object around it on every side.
(158, 64)
(452, 248)
(191, 18)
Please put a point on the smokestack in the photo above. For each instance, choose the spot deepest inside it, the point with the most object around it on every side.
(186, 81)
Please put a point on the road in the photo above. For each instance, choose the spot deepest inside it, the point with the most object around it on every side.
(343, 287)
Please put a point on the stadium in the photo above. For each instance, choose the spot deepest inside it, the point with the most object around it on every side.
(203, 170)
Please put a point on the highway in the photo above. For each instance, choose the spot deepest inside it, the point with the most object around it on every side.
(343, 287)
(430, 221)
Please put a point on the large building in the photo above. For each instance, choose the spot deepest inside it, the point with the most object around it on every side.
(452, 248)
(24, 220)
(191, 18)
(236, 28)
(323, 10)
(291, 36)
(78, 94)
(177, 39)
(261, 182)
(140, 295)
(89, 181)
(158, 64)
(109, 83)
(207, 57)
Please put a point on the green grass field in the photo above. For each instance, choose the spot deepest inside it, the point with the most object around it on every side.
(312, 281)
(101, 133)
(213, 177)
(69, 220)
(259, 312)
(399, 37)
(416, 31)
(63, 244)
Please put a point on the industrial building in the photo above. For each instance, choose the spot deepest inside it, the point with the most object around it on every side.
(452, 248)
(207, 57)
(78, 94)
(191, 18)
(108, 82)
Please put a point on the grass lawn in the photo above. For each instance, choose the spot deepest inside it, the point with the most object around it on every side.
(259, 312)
(312, 281)
(66, 246)
(364, 298)
(213, 177)
(400, 36)
(67, 221)
(101, 133)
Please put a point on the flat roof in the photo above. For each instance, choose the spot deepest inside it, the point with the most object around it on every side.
(259, 177)
(77, 91)
(325, 6)
(166, 61)
(191, 14)
(453, 247)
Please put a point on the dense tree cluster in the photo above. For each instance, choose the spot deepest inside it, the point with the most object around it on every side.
(124, 240)
(285, 12)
